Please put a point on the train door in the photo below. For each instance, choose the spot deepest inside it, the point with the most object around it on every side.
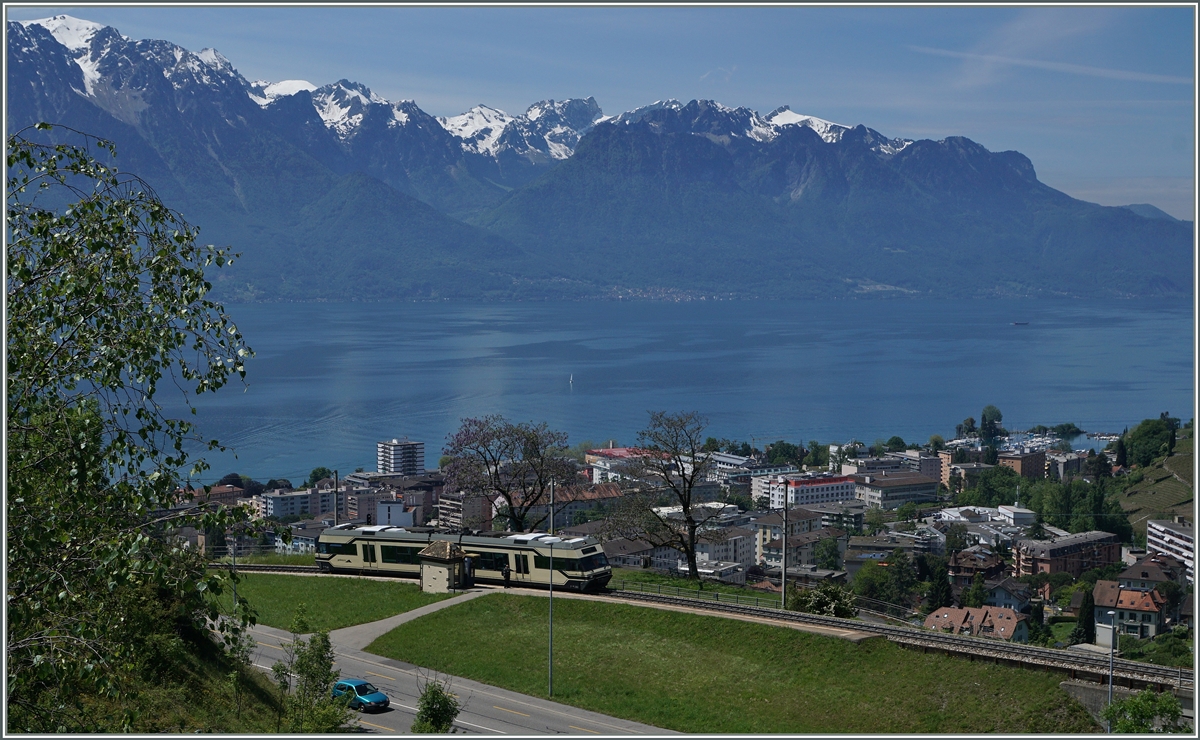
(521, 572)
(369, 554)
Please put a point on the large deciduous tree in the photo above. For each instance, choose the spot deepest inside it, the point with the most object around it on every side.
(673, 460)
(515, 463)
(106, 302)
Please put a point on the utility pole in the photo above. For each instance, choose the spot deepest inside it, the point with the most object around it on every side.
(783, 560)
(550, 661)
(335, 498)
(1112, 641)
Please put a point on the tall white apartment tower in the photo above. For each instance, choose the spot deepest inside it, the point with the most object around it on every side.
(400, 457)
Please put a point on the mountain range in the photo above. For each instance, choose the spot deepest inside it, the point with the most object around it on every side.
(335, 193)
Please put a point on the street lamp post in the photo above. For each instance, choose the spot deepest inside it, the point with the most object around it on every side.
(783, 560)
(1112, 641)
(550, 661)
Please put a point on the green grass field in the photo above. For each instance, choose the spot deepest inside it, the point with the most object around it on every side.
(332, 602)
(1062, 631)
(639, 576)
(271, 558)
(696, 673)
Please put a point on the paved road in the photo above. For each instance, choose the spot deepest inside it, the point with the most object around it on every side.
(486, 709)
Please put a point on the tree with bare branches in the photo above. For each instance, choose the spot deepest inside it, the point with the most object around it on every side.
(514, 463)
(660, 505)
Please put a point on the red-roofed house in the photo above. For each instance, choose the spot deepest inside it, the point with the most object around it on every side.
(987, 621)
(1138, 613)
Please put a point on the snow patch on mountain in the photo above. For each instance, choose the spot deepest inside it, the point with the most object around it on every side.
(74, 33)
(342, 105)
(547, 128)
(827, 130)
(479, 128)
(263, 92)
(637, 114)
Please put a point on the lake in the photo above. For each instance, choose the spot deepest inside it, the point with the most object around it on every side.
(329, 380)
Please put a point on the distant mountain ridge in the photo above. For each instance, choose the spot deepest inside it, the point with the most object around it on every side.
(316, 183)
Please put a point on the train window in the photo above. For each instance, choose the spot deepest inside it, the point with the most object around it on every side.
(337, 548)
(588, 550)
(592, 562)
(491, 561)
(368, 553)
(542, 562)
(404, 555)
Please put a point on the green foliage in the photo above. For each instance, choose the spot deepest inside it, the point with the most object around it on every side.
(1172, 648)
(940, 593)
(976, 594)
(437, 708)
(305, 679)
(894, 580)
(827, 555)
(1144, 712)
(319, 473)
(1147, 441)
(818, 455)
(907, 511)
(873, 520)
(937, 443)
(828, 598)
(1086, 617)
(784, 453)
(956, 538)
(105, 300)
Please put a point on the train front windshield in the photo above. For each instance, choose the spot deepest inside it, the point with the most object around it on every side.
(592, 562)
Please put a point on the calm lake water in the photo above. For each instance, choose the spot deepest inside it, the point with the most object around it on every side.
(329, 380)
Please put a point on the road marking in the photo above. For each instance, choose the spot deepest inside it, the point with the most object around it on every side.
(502, 709)
(489, 729)
(264, 644)
(583, 729)
(369, 673)
(479, 690)
(364, 722)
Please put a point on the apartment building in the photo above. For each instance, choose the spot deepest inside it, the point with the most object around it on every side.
(1176, 538)
(890, 490)
(1073, 554)
(802, 490)
(1026, 464)
(400, 457)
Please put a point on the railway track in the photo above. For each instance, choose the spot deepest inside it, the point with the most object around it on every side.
(1131, 674)
(1125, 672)
(260, 568)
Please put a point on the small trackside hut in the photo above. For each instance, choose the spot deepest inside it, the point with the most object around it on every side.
(443, 568)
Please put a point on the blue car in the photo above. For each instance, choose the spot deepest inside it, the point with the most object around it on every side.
(363, 695)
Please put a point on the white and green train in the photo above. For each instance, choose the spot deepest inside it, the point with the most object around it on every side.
(579, 563)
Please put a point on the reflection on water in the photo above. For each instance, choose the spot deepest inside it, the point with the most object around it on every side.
(329, 380)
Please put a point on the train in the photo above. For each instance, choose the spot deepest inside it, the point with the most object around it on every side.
(579, 562)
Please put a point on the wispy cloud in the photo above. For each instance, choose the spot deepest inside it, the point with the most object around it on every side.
(1079, 69)
(719, 72)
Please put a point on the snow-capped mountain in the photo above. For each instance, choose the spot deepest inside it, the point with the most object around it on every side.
(479, 128)
(335, 185)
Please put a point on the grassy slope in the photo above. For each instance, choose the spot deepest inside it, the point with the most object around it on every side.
(634, 575)
(192, 693)
(698, 673)
(1160, 495)
(332, 602)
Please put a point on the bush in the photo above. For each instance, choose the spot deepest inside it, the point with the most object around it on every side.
(436, 709)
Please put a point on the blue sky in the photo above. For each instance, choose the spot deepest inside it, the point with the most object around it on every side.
(1101, 99)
